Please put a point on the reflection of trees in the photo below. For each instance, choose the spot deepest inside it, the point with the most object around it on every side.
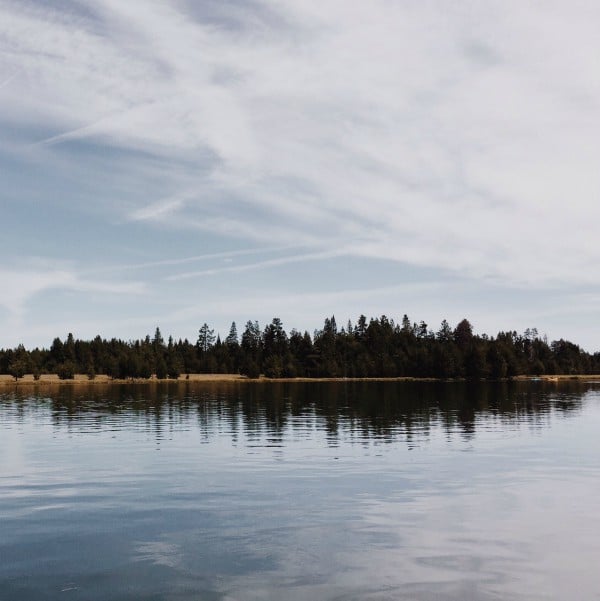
(270, 412)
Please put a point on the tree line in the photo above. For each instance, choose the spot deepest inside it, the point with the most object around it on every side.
(372, 348)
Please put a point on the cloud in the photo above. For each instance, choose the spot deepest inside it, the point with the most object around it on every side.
(300, 258)
(20, 286)
(460, 137)
(158, 210)
(307, 307)
(227, 256)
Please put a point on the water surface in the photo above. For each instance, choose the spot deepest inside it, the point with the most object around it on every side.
(347, 491)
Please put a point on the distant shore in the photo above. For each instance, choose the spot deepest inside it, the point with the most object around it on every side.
(45, 380)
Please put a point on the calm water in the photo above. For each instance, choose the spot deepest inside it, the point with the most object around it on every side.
(300, 492)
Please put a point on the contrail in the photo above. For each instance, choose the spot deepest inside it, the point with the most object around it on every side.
(7, 81)
(92, 127)
(260, 264)
(184, 260)
(68, 135)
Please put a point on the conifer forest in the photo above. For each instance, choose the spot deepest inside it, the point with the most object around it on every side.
(368, 348)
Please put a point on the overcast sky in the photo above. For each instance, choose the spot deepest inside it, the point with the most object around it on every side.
(166, 163)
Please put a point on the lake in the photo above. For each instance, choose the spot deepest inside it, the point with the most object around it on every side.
(300, 491)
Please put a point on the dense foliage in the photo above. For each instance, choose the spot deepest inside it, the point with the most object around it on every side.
(374, 348)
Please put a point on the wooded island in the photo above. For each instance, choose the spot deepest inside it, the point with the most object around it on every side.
(374, 348)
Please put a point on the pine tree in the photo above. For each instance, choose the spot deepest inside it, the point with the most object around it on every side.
(206, 339)
(232, 338)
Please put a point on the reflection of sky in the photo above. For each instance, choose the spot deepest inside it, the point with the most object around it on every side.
(11, 450)
(196, 512)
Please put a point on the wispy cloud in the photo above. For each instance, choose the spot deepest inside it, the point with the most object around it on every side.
(279, 261)
(7, 81)
(20, 286)
(227, 255)
(404, 119)
(453, 136)
(158, 209)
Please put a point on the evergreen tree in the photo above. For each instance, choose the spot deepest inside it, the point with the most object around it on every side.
(17, 368)
(66, 370)
(158, 342)
(206, 339)
(161, 368)
(463, 334)
(173, 368)
(232, 338)
(251, 345)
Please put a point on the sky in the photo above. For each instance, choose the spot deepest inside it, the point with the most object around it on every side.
(170, 163)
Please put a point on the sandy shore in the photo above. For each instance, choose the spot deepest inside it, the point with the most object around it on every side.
(83, 380)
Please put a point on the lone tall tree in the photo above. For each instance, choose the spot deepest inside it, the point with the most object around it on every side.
(232, 338)
(206, 339)
(158, 342)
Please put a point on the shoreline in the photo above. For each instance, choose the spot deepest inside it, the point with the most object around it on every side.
(46, 380)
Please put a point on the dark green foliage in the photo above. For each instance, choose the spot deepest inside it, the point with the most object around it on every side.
(463, 334)
(251, 369)
(111, 367)
(273, 367)
(173, 368)
(232, 338)
(57, 355)
(475, 362)
(376, 347)
(497, 364)
(66, 370)
(157, 342)
(145, 367)
(17, 368)
(161, 368)
(206, 339)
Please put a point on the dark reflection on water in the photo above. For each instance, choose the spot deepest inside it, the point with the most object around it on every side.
(384, 411)
(300, 491)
